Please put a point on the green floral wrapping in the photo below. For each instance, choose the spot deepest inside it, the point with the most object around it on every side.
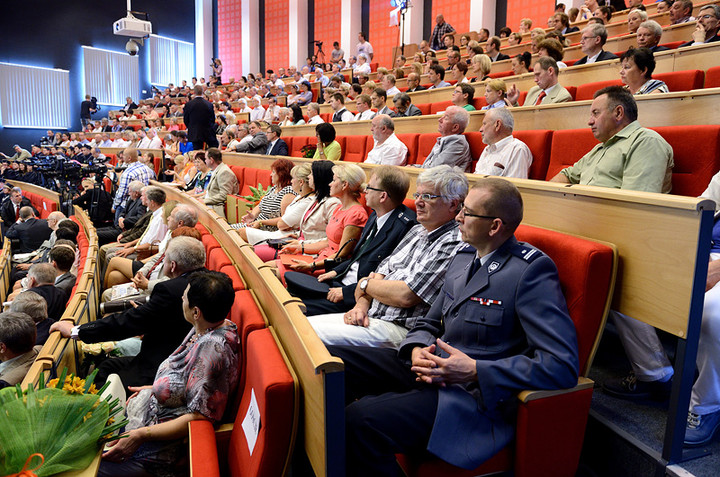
(65, 428)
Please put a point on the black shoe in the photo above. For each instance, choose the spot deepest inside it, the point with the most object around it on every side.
(630, 388)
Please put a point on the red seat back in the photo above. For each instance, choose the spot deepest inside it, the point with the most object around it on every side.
(298, 142)
(425, 144)
(567, 147)
(682, 80)
(424, 108)
(694, 165)
(477, 145)
(439, 106)
(587, 90)
(355, 148)
(273, 387)
(712, 77)
(539, 142)
(411, 141)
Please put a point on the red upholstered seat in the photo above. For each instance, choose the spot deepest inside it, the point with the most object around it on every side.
(373, 67)
(201, 228)
(298, 142)
(570, 62)
(682, 80)
(411, 141)
(712, 77)
(327, 117)
(539, 142)
(239, 172)
(572, 90)
(439, 106)
(424, 108)
(550, 430)
(672, 45)
(341, 140)
(230, 270)
(474, 138)
(355, 149)
(696, 151)
(502, 74)
(217, 258)
(425, 144)
(274, 388)
(479, 102)
(567, 147)
(587, 90)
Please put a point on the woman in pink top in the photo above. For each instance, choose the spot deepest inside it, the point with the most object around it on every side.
(343, 229)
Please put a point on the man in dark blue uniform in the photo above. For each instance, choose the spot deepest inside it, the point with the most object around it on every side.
(499, 325)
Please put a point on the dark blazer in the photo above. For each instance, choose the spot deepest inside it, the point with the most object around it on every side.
(130, 107)
(657, 48)
(133, 211)
(31, 234)
(368, 257)
(412, 110)
(279, 149)
(573, 29)
(199, 119)
(524, 339)
(604, 55)
(7, 211)
(55, 297)
(66, 282)
(160, 320)
(711, 40)
(501, 57)
(419, 88)
(257, 145)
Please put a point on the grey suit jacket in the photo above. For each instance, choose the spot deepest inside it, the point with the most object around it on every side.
(511, 317)
(412, 110)
(222, 182)
(452, 150)
(16, 371)
(557, 94)
(257, 145)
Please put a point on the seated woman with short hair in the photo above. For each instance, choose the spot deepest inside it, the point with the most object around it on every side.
(495, 92)
(637, 66)
(193, 383)
(327, 147)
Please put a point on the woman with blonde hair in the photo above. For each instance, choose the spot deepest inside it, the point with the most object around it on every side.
(481, 65)
(495, 92)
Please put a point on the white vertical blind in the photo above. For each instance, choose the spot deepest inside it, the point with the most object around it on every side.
(170, 60)
(110, 76)
(34, 97)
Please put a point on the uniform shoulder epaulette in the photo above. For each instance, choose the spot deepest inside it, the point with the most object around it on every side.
(402, 216)
(525, 251)
(467, 249)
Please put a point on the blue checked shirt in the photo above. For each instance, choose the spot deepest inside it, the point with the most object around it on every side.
(135, 172)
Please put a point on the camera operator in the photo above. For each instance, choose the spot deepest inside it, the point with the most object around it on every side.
(87, 108)
(96, 201)
(217, 68)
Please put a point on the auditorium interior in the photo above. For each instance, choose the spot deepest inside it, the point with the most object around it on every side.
(72, 68)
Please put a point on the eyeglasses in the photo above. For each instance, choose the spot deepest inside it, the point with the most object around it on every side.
(585, 38)
(367, 188)
(426, 197)
(464, 211)
(707, 17)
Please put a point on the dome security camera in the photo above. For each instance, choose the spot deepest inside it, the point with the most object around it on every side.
(132, 47)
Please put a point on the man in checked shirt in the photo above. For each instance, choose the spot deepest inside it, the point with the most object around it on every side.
(405, 284)
(136, 171)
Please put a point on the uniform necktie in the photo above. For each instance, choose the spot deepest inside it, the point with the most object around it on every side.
(17, 213)
(540, 97)
(474, 268)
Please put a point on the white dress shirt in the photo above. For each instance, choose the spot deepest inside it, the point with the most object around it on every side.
(392, 152)
(509, 157)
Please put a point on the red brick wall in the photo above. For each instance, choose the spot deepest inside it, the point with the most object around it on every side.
(276, 34)
(538, 12)
(327, 27)
(230, 38)
(456, 13)
(381, 36)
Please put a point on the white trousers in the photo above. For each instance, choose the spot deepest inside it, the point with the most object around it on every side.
(332, 330)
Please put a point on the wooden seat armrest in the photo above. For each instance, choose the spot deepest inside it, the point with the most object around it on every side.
(531, 395)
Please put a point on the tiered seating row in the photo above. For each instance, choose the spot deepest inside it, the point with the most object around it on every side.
(552, 150)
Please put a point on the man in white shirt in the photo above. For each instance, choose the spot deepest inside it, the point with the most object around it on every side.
(144, 142)
(504, 155)
(313, 112)
(258, 112)
(364, 47)
(363, 106)
(337, 102)
(388, 149)
(320, 76)
(155, 142)
(118, 141)
(271, 114)
(363, 65)
(154, 197)
(388, 84)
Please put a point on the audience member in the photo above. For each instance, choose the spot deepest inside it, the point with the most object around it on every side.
(340, 114)
(62, 257)
(707, 27)
(636, 71)
(648, 36)
(628, 156)
(547, 91)
(441, 30)
(35, 306)
(276, 146)
(562, 24)
(364, 48)
(199, 119)
(334, 291)
(413, 82)
(451, 147)
(436, 75)
(222, 182)
(379, 101)
(135, 171)
(257, 144)
(634, 19)
(463, 95)
(492, 49)
(681, 12)
(404, 107)
(591, 43)
(445, 390)
(388, 84)
(495, 92)
(387, 148)
(390, 300)
(41, 280)
(30, 231)
(17, 347)
(327, 147)
(504, 155)
(10, 208)
(157, 228)
(363, 106)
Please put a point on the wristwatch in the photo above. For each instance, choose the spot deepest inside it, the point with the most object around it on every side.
(363, 284)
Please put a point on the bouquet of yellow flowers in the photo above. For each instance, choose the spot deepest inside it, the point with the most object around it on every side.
(65, 422)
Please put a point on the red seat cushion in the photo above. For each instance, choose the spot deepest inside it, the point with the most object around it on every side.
(539, 142)
(587, 90)
(682, 80)
(712, 77)
(355, 148)
(439, 106)
(568, 146)
(425, 144)
(411, 141)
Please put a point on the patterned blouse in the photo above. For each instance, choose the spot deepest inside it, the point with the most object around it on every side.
(652, 85)
(198, 377)
(270, 206)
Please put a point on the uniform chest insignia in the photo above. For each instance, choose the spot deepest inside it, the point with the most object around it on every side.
(493, 266)
(485, 301)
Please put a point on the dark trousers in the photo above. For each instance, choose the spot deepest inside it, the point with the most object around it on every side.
(107, 234)
(199, 145)
(387, 411)
(128, 374)
(320, 306)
